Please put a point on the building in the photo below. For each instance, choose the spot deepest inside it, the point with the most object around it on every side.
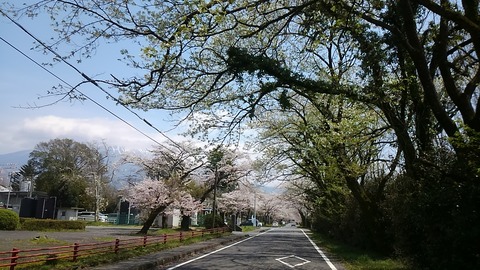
(13, 199)
(68, 213)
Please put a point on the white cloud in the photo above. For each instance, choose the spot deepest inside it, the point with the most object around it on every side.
(33, 130)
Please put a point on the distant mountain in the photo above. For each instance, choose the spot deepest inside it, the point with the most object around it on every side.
(18, 159)
(14, 161)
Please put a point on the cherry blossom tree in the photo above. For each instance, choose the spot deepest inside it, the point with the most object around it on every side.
(155, 197)
(187, 178)
(188, 206)
(270, 207)
(151, 195)
(234, 202)
(222, 171)
(168, 171)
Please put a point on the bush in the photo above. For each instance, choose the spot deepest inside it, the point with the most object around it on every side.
(30, 224)
(209, 221)
(436, 217)
(9, 220)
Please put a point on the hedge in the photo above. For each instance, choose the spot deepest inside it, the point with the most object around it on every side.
(31, 224)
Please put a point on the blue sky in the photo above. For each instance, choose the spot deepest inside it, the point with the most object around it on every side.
(24, 84)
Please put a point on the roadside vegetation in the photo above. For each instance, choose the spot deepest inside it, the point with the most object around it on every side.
(9, 220)
(248, 228)
(357, 259)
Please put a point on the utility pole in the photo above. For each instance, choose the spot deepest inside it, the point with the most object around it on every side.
(30, 187)
(214, 208)
(96, 196)
(214, 159)
(255, 207)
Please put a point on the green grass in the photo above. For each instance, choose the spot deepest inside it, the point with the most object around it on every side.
(357, 259)
(98, 223)
(248, 228)
(41, 242)
(46, 241)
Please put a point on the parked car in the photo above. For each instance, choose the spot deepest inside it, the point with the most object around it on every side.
(90, 216)
(102, 217)
(247, 223)
(250, 223)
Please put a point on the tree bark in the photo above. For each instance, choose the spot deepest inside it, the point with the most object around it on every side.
(151, 218)
(185, 224)
(371, 213)
(419, 59)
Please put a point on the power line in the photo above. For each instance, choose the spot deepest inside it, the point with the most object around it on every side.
(87, 97)
(89, 80)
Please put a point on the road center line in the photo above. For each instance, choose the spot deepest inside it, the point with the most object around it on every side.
(325, 258)
(215, 251)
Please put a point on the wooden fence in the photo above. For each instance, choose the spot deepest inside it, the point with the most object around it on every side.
(73, 252)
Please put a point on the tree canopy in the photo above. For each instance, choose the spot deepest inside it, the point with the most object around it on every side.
(414, 60)
(66, 169)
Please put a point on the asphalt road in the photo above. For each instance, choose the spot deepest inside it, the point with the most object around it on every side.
(279, 248)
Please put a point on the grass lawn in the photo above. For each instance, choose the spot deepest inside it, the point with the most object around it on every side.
(248, 228)
(356, 259)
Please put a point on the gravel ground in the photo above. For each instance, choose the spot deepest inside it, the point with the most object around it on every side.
(26, 239)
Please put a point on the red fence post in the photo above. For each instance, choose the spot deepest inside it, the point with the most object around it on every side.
(75, 251)
(181, 236)
(164, 238)
(193, 234)
(117, 245)
(13, 261)
(203, 233)
(144, 241)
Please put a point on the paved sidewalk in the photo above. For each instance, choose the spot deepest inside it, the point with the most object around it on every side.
(154, 260)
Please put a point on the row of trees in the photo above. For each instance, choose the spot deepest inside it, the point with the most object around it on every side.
(181, 177)
(370, 109)
(188, 178)
(184, 177)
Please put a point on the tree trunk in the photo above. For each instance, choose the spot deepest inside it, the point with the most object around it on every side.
(164, 221)
(419, 59)
(185, 225)
(371, 213)
(305, 222)
(151, 218)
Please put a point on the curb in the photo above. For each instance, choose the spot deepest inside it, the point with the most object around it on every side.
(153, 260)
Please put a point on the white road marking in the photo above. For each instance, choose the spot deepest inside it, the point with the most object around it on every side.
(293, 256)
(215, 251)
(325, 258)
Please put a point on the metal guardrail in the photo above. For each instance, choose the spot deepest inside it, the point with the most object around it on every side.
(73, 252)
